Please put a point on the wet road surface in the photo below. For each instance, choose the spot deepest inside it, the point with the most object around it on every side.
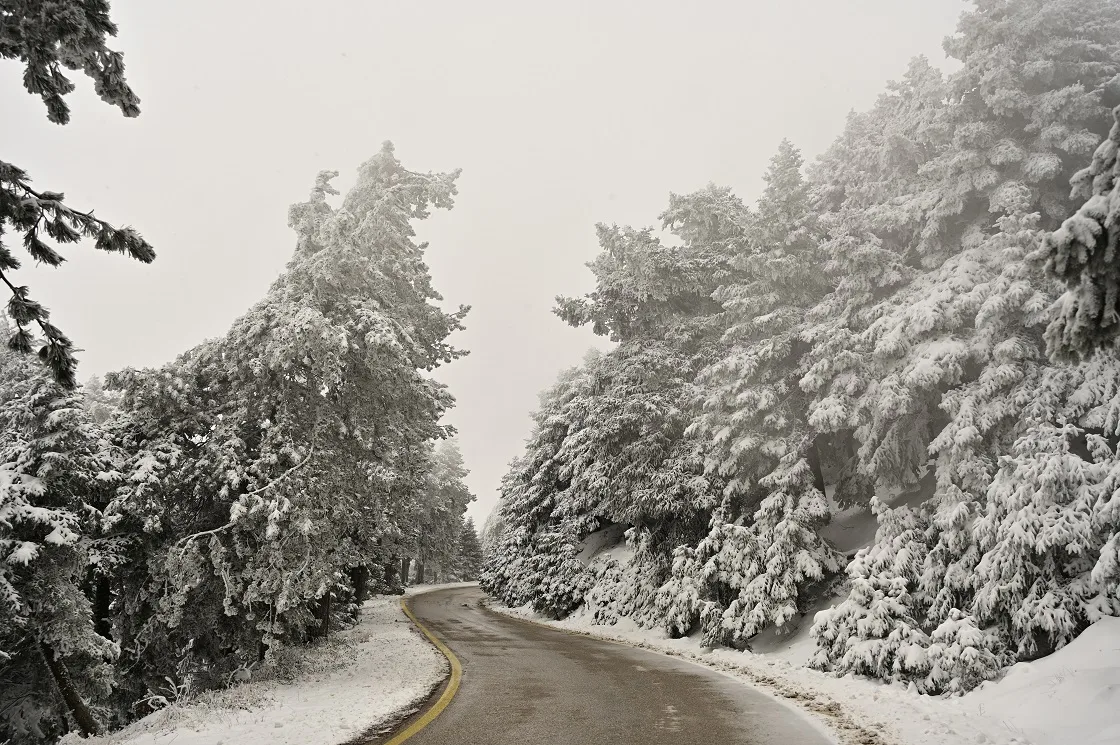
(525, 684)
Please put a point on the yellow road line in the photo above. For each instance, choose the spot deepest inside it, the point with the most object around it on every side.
(448, 693)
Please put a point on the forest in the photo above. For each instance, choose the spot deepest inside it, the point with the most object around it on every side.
(920, 325)
(918, 328)
(163, 529)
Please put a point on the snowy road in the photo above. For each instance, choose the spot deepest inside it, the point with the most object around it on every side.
(525, 684)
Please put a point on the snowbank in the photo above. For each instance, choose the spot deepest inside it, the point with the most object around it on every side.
(1069, 698)
(366, 677)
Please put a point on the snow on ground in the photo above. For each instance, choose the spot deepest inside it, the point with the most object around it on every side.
(364, 677)
(1071, 697)
(606, 538)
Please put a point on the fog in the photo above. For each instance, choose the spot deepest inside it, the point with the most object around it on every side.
(560, 116)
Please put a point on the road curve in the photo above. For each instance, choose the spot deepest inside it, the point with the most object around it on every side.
(525, 684)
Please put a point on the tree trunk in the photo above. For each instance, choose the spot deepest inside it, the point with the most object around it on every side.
(814, 458)
(389, 573)
(406, 562)
(325, 615)
(419, 572)
(102, 599)
(359, 580)
(70, 695)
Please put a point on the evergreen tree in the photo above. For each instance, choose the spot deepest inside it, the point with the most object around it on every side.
(492, 530)
(875, 327)
(293, 451)
(872, 191)
(1036, 79)
(1103, 587)
(755, 411)
(954, 365)
(1038, 542)
(1082, 254)
(689, 598)
(876, 630)
(68, 34)
(534, 558)
(470, 552)
(54, 666)
(610, 445)
(439, 520)
(961, 655)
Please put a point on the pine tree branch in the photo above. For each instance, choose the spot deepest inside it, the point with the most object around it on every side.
(59, 356)
(187, 539)
(31, 213)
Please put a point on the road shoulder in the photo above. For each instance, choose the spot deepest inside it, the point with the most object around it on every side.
(362, 682)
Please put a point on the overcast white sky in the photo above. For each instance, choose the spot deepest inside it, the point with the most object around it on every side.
(561, 115)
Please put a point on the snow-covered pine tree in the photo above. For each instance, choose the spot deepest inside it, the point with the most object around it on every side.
(786, 553)
(1003, 178)
(469, 560)
(1039, 544)
(754, 411)
(532, 540)
(1037, 80)
(439, 520)
(631, 456)
(871, 191)
(691, 596)
(612, 437)
(627, 587)
(961, 656)
(876, 629)
(982, 158)
(55, 669)
(492, 529)
(956, 368)
(1104, 578)
(72, 35)
(1083, 254)
(986, 411)
(271, 461)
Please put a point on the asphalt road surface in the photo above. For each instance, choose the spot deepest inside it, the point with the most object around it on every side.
(525, 684)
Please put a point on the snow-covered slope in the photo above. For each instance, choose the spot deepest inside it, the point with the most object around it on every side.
(364, 678)
(1071, 697)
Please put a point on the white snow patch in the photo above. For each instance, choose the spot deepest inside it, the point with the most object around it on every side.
(854, 528)
(380, 668)
(850, 530)
(605, 538)
(1071, 697)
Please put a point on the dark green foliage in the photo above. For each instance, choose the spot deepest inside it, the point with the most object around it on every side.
(35, 216)
(48, 36)
(52, 486)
